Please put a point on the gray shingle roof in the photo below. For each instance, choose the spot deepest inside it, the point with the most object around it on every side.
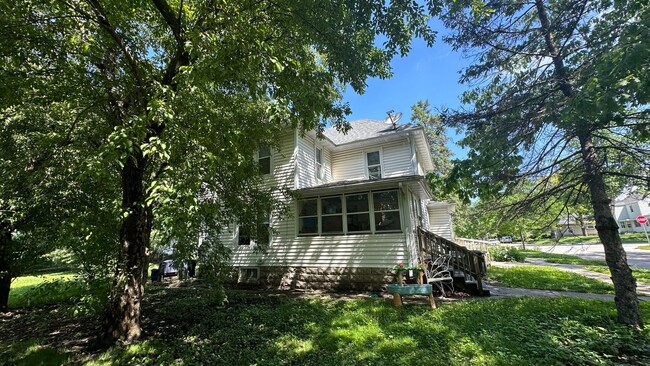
(364, 129)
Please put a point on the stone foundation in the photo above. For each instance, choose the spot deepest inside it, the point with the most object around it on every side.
(317, 278)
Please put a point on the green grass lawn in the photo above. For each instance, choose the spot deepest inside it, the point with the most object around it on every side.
(24, 290)
(626, 238)
(547, 278)
(562, 258)
(185, 326)
(642, 275)
(644, 247)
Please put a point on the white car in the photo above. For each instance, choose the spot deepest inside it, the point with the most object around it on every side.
(506, 239)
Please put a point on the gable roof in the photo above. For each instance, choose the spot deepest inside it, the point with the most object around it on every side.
(364, 129)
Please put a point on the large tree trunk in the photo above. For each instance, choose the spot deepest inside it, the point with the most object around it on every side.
(5, 265)
(122, 318)
(627, 302)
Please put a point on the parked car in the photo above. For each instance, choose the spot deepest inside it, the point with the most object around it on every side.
(506, 239)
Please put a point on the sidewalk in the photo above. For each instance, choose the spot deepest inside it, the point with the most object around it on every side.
(643, 288)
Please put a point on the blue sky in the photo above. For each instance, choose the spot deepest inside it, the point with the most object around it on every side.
(425, 73)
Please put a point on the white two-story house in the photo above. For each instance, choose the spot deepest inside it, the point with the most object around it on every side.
(627, 208)
(359, 198)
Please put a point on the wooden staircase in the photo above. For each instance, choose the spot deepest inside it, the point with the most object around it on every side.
(469, 265)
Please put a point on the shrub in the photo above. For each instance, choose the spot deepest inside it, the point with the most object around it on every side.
(506, 254)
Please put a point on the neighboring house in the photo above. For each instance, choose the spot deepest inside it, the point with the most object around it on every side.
(575, 225)
(360, 197)
(627, 208)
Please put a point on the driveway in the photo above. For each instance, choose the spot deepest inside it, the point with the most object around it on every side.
(635, 257)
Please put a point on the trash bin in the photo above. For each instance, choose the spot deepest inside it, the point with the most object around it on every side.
(191, 268)
(155, 275)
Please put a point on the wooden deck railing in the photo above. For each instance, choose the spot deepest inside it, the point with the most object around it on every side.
(470, 262)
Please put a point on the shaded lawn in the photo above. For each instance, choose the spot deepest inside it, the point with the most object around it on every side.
(547, 278)
(24, 290)
(625, 238)
(642, 275)
(188, 326)
(562, 258)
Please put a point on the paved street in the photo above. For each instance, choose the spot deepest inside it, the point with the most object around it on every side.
(635, 257)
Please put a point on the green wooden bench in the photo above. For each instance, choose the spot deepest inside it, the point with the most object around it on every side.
(411, 289)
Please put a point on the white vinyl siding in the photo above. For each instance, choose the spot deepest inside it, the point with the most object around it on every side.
(283, 173)
(377, 251)
(352, 250)
(350, 164)
(306, 163)
(440, 222)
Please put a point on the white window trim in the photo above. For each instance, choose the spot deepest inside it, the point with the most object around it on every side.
(253, 243)
(381, 162)
(257, 158)
(238, 237)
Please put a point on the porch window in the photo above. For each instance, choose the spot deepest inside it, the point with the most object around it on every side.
(331, 215)
(319, 163)
(308, 217)
(386, 208)
(367, 212)
(373, 161)
(358, 212)
(264, 159)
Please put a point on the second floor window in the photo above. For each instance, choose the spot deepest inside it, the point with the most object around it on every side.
(264, 159)
(373, 161)
(244, 236)
(319, 163)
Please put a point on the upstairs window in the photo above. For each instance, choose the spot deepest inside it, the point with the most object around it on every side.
(631, 208)
(264, 159)
(319, 163)
(244, 236)
(373, 161)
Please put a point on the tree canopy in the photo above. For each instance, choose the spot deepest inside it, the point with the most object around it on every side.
(166, 102)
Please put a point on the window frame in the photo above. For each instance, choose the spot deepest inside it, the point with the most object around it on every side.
(380, 165)
(259, 158)
(367, 212)
(242, 278)
(317, 216)
(398, 210)
(344, 214)
(241, 237)
(265, 223)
